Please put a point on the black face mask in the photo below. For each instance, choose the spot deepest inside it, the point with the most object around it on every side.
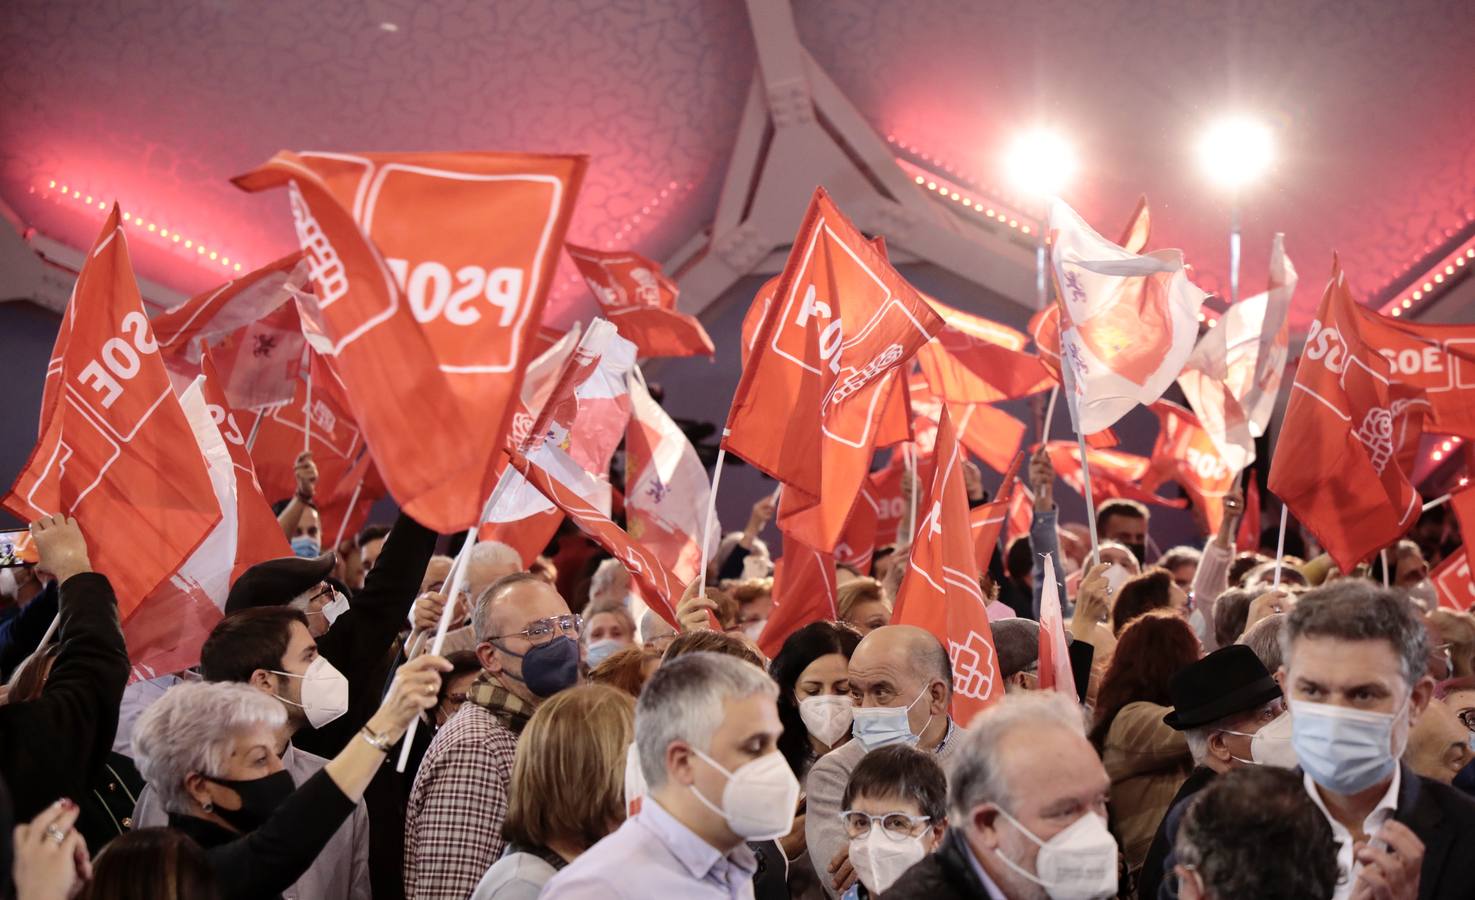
(1139, 551)
(548, 668)
(260, 797)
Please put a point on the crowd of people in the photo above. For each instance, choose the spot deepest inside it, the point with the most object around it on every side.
(1242, 726)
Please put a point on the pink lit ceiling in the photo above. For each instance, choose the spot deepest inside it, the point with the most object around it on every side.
(157, 102)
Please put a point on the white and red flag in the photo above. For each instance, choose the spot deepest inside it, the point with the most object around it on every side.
(1054, 668)
(1336, 458)
(666, 487)
(1233, 376)
(640, 300)
(808, 408)
(430, 272)
(1185, 453)
(1128, 322)
(941, 591)
(114, 448)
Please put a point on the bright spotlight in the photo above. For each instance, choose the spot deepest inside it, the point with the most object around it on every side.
(1040, 162)
(1236, 151)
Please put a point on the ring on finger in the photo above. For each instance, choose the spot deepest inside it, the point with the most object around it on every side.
(55, 835)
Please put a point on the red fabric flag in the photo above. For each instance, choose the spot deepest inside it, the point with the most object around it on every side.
(1185, 453)
(885, 487)
(988, 432)
(1440, 359)
(1248, 538)
(431, 313)
(344, 511)
(1463, 504)
(1054, 669)
(115, 449)
(1021, 513)
(640, 300)
(940, 591)
(987, 520)
(1114, 474)
(1454, 583)
(858, 544)
(261, 363)
(1335, 460)
(975, 360)
(336, 441)
(803, 592)
(658, 585)
(808, 405)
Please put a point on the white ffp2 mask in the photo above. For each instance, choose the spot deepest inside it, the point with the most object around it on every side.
(759, 800)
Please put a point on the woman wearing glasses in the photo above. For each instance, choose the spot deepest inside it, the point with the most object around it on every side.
(894, 814)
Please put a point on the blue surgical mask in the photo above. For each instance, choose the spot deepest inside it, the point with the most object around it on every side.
(547, 668)
(1344, 750)
(599, 651)
(306, 547)
(882, 726)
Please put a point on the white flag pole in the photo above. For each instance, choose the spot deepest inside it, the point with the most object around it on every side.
(1049, 414)
(911, 464)
(1234, 249)
(1438, 501)
(1075, 418)
(307, 407)
(1280, 545)
(458, 581)
(1383, 558)
(255, 428)
(711, 509)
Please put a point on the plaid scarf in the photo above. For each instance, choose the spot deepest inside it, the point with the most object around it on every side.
(489, 693)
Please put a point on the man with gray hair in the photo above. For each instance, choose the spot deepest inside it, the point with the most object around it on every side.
(486, 562)
(528, 646)
(901, 682)
(1354, 677)
(1026, 810)
(706, 730)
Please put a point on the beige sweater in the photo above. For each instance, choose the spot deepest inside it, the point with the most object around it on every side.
(1147, 762)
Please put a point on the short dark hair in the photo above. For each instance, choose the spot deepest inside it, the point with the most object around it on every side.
(900, 771)
(153, 862)
(1254, 832)
(1019, 559)
(1352, 609)
(1242, 565)
(248, 640)
(1118, 507)
(1231, 612)
(371, 533)
(1141, 594)
(712, 642)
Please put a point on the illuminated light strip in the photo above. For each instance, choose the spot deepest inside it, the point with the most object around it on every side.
(66, 191)
(971, 201)
(1439, 277)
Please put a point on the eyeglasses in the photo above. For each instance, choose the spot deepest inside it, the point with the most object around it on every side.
(1467, 718)
(895, 825)
(542, 630)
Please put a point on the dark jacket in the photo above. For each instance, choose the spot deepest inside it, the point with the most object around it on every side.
(21, 633)
(359, 645)
(945, 874)
(270, 859)
(1150, 880)
(1441, 816)
(55, 746)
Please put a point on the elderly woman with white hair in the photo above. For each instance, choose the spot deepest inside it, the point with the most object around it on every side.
(208, 749)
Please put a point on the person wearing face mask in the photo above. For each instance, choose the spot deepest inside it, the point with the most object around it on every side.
(209, 752)
(528, 646)
(1124, 521)
(272, 650)
(706, 730)
(1232, 713)
(1026, 810)
(754, 599)
(901, 682)
(608, 629)
(1354, 676)
(895, 814)
(298, 516)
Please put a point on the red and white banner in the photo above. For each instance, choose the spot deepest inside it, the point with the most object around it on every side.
(975, 360)
(666, 487)
(1233, 376)
(808, 407)
(280, 431)
(1454, 583)
(1440, 359)
(658, 585)
(430, 272)
(640, 300)
(114, 448)
(1185, 453)
(857, 544)
(803, 592)
(940, 591)
(1054, 665)
(1128, 322)
(1336, 458)
(985, 522)
(988, 432)
(1114, 474)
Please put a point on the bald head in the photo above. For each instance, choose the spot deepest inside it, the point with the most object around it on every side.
(906, 648)
(514, 601)
(904, 666)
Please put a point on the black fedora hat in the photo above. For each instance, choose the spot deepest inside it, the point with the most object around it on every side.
(1228, 681)
(276, 581)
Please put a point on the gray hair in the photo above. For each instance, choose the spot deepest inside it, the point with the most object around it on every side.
(683, 701)
(1180, 556)
(1356, 610)
(1198, 741)
(653, 626)
(1017, 642)
(974, 777)
(485, 555)
(191, 729)
(609, 607)
(481, 618)
(606, 576)
(1263, 637)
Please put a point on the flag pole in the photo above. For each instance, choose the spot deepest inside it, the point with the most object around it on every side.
(1049, 414)
(711, 509)
(1438, 501)
(911, 464)
(307, 407)
(1075, 417)
(1280, 545)
(458, 581)
(1383, 558)
(255, 429)
(1234, 240)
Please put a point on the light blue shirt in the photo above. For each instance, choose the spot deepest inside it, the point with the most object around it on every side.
(653, 855)
(988, 883)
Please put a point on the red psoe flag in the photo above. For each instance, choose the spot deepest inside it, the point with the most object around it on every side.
(1185, 453)
(1128, 322)
(658, 585)
(858, 544)
(808, 407)
(115, 449)
(281, 433)
(430, 272)
(640, 300)
(1335, 461)
(1454, 583)
(986, 521)
(941, 592)
(1438, 358)
(975, 360)
(803, 592)
(1114, 474)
